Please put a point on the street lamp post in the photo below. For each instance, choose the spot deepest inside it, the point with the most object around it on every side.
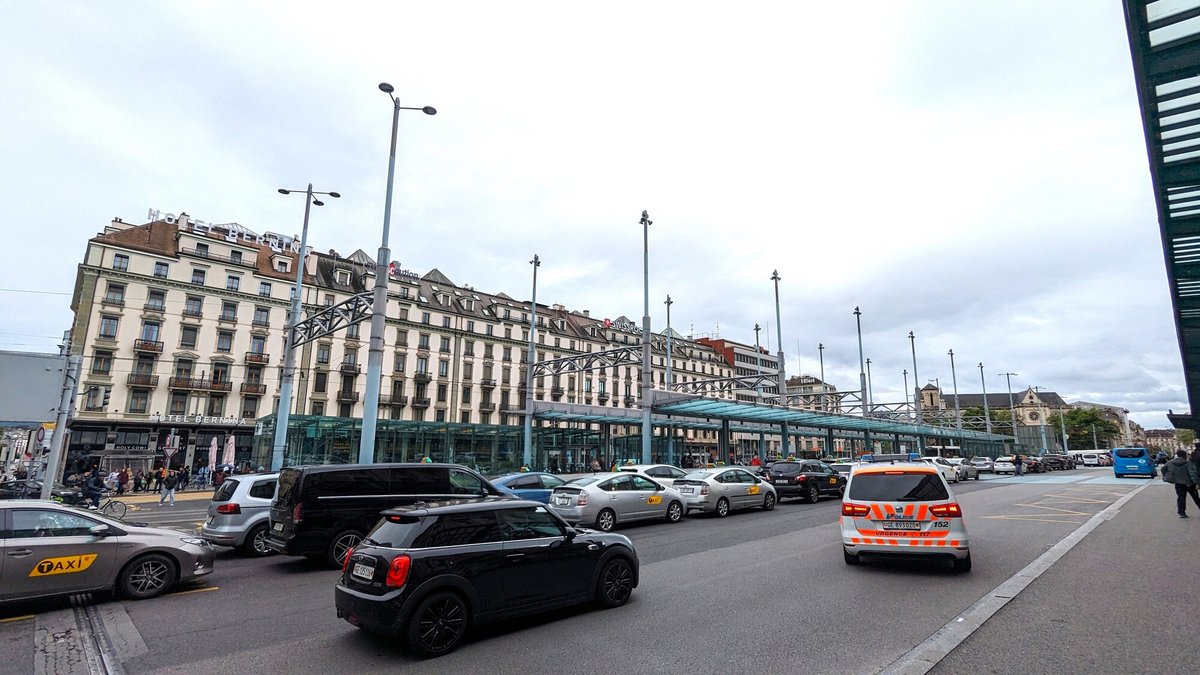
(1062, 428)
(527, 453)
(366, 442)
(1012, 408)
(670, 381)
(957, 410)
(783, 446)
(1041, 419)
(758, 372)
(821, 356)
(864, 393)
(916, 378)
(870, 386)
(284, 409)
(647, 376)
(987, 412)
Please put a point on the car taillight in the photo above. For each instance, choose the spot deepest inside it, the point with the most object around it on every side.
(229, 508)
(398, 571)
(704, 489)
(856, 510)
(800, 479)
(296, 513)
(346, 561)
(581, 500)
(950, 510)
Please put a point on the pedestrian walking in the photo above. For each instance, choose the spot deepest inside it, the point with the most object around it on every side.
(122, 481)
(1018, 465)
(1180, 472)
(168, 488)
(181, 483)
(159, 476)
(595, 465)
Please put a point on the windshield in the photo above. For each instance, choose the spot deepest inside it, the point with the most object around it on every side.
(897, 486)
(786, 468)
(698, 475)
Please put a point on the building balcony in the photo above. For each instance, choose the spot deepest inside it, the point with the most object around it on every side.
(420, 378)
(258, 357)
(602, 397)
(243, 262)
(113, 300)
(350, 369)
(347, 396)
(142, 380)
(261, 323)
(420, 403)
(393, 399)
(229, 317)
(557, 391)
(487, 383)
(630, 401)
(148, 346)
(195, 312)
(254, 388)
(155, 307)
(487, 407)
(509, 407)
(199, 384)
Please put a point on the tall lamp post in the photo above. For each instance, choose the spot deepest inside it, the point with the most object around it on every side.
(912, 339)
(289, 355)
(905, 373)
(1062, 428)
(758, 372)
(987, 411)
(527, 453)
(862, 379)
(647, 376)
(821, 357)
(1041, 419)
(957, 410)
(670, 381)
(870, 386)
(366, 442)
(783, 446)
(1012, 408)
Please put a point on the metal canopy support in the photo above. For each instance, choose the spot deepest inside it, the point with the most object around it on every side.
(332, 319)
(625, 356)
(727, 385)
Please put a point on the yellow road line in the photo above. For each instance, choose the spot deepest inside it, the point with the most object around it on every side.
(194, 590)
(11, 619)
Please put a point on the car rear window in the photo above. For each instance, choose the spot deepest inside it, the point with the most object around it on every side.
(225, 492)
(289, 480)
(786, 468)
(263, 489)
(583, 480)
(897, 487)
(698, 475)
(840, 467)
(1130, 453)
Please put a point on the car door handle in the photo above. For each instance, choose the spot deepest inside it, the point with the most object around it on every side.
(515, 556)
(593, 547)
(21, 553)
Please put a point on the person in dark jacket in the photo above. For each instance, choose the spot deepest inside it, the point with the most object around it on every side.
(1179, 471)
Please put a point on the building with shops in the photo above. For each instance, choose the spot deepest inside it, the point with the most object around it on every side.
(181, 327)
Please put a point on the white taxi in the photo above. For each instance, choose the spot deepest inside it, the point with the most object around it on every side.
(897, 505)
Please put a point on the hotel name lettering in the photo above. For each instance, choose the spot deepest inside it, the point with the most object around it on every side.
(198, 419)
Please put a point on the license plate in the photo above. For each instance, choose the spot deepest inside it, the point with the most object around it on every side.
(210, 520)
(687, 491)
(562, 501)
(901, 525)
(781, 482)
(363, 571)
(278, 527)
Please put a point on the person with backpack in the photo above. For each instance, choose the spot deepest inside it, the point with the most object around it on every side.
(168, 488)
(1179, 471)
(93, 488)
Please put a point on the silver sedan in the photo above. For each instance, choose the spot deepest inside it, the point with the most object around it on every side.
(724, 489)
(51, 549)
(604, 499)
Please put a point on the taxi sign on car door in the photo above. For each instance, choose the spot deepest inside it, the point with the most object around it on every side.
(65, 565)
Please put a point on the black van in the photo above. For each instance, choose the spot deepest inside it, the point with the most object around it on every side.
(322, 512)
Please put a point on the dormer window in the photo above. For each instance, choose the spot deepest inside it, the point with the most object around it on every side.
(342, 277)
(281, 263)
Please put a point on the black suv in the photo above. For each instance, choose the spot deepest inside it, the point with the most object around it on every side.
(322, 511)
(429, 572)
(808, 479)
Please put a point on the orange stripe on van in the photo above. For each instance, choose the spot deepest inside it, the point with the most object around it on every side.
(877, 511)
(923, 512)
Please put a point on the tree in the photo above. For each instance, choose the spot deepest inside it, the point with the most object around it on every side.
(1084, 423)
(1186, 437)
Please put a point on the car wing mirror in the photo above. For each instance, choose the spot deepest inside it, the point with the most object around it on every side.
(571, 534)
(100, 530)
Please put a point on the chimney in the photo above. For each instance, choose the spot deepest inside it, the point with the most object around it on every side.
(183, 220)
(587, 314)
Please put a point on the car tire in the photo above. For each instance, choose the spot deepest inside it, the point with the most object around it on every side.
(768, 502)
(147, 576)
(615, 584)
(842, 491)
(674, 512)
(256, 542)
(340, 546)
(606, 520)
(962, 565)
(814, 494)
(722, 509)
(438, 624)
(849, 557)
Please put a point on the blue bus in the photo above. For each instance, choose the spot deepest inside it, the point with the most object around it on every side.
(1133, 462)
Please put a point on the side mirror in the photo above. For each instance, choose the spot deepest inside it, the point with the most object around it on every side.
(571, 534)
(100, 530)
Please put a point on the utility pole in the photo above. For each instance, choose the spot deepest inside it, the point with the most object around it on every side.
(58, 439)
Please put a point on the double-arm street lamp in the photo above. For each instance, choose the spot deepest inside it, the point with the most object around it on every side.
(647, 376)
(289, 355)
(527, 455)
(670, 381)
(366, 442)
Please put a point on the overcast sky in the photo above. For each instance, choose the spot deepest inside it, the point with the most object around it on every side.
(973, 172)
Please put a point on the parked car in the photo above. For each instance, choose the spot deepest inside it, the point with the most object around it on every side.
(948, 470)
(604, 499)
(723, 490)
(1091, 459)
(430, 573)
(51, 549)
(321, 512)
(1005, 464)
(533, 485)
(1033, 464)
(29, 488)
(843, 468)
(964, 470)
(808, 479)
(239, 514)
(664, 474)
(1054, 462)
(982, 464)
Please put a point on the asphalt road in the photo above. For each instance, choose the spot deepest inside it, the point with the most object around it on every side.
(767, 591)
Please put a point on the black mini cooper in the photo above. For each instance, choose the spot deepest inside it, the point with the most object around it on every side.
(430, 571)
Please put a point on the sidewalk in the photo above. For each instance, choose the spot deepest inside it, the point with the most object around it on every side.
(152, 497)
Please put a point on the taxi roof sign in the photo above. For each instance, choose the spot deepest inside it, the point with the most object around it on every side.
(895, 457)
